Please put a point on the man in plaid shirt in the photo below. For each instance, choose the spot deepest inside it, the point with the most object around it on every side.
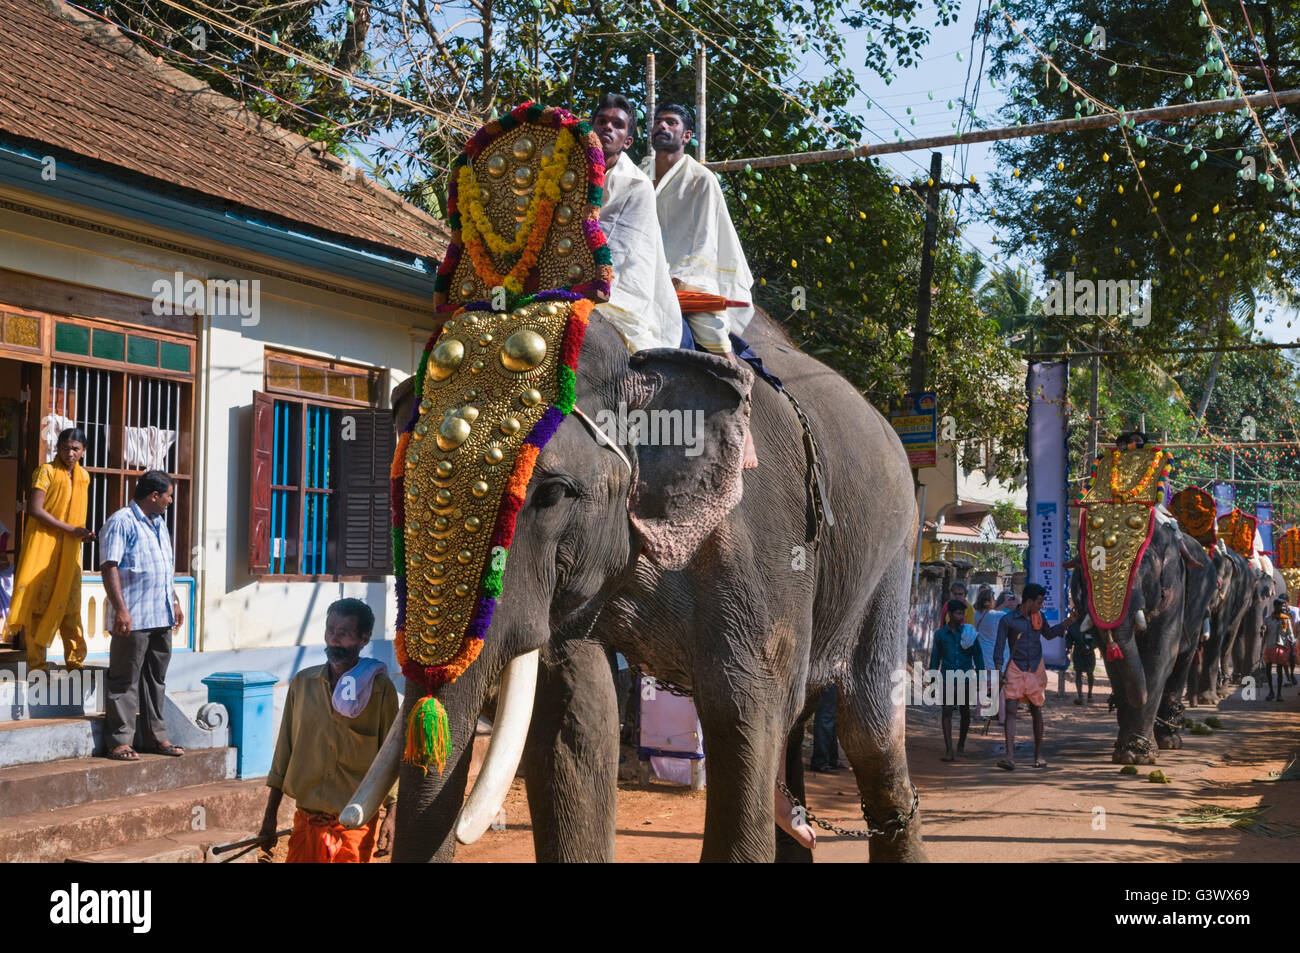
(138, 566)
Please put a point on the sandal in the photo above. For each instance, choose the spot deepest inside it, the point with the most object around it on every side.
(1006, 765)
(123, 753)
(172, 751)
(1040, 764)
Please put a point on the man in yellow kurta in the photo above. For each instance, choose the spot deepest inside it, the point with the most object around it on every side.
(47, 588)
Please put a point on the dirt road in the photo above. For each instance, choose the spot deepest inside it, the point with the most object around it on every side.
(1079, 808)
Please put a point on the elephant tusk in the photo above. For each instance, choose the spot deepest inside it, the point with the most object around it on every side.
(1086, 624)
(509, 732)
(374, 787)
(1140, 620)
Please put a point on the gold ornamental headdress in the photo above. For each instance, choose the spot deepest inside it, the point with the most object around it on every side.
(1115, 529)
(526, 264)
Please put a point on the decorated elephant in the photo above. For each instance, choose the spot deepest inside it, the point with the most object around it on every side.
(741, 589)
(1250, 586)
(1247, 648)
(1133, 583)
(1235, 586)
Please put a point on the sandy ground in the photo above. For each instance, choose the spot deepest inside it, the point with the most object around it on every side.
(1079, 808)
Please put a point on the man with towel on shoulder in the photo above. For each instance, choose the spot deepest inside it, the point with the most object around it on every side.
(335, 719)
(1025, 677)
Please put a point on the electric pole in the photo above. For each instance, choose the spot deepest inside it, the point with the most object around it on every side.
(921, 336)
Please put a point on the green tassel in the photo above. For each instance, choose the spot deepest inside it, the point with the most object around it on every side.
(399, 551)
(428, 736)
(492, 581)
(568, 383)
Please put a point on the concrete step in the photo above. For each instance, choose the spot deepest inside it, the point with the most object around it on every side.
(55, 836)
(31, 788)
(49, 739)
(191, 847)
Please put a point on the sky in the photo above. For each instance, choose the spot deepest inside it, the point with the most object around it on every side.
(941, 76)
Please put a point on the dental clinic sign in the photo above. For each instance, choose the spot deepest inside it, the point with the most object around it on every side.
(1049, 513)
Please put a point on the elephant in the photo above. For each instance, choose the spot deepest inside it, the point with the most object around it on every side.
(1246, 636)
(1200, 597)
(1149, 638)
(707, 578)
(1248, 648)
(1236, 585)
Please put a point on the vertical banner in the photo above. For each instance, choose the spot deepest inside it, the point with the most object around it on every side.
(1264, 514)
(1225, 497)
(913, 417)
(1049, 514)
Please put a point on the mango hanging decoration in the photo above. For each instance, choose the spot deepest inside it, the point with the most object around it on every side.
(492, 387)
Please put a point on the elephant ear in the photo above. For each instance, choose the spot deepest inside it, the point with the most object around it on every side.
(696, 408)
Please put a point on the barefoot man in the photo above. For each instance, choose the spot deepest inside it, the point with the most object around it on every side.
(1025, 676)
(702, 246)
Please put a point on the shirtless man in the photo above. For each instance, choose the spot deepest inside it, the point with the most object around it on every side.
(1024, 678)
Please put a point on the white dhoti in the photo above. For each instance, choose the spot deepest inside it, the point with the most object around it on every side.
(703, 249)
(642, 302)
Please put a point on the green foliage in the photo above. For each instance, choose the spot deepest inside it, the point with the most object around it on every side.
(1008, 517)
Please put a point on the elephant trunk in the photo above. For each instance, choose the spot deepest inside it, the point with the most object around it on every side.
(1131, 674)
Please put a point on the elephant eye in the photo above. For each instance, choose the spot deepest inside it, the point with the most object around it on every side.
(552, 491)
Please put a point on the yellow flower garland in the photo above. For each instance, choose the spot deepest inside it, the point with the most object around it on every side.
(1121, 494)
(548, 187)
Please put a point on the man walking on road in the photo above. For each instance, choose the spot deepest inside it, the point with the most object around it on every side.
(1025, 676)
(139, 573)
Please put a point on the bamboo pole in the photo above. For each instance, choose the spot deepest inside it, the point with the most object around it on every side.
(1158, 114)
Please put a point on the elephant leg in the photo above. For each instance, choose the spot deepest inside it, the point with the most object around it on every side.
(571, 760)
(871, 725)
(1170, 716)
(788, 850)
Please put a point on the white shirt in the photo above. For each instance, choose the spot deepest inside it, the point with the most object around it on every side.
(702, 246)
(642, 302)
(988, 634)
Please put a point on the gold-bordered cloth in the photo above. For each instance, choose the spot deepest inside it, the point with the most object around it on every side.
(1115, 528)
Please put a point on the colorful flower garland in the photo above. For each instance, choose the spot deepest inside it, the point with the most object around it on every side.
(598, 287)
(428, 737)
(1158, 464)
(547, 189)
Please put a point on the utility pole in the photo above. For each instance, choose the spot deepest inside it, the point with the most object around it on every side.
(701, 65)
(921, 336)
(1093, 422)
(650, 106)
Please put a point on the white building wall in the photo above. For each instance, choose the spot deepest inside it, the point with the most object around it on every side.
(235, 611)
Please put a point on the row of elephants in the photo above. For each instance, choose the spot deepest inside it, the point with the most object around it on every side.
(1193, 628)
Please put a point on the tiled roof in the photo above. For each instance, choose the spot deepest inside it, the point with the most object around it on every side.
(79, 85)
